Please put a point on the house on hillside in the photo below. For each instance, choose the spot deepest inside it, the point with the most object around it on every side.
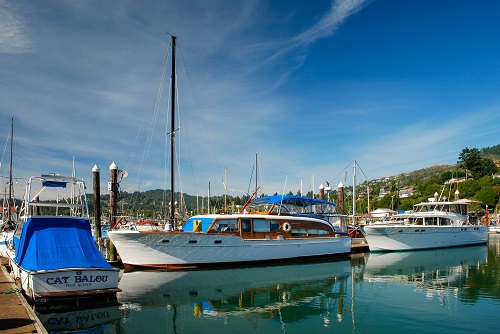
(406, 192)
(384, 191)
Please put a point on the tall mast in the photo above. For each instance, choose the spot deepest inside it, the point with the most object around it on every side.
(10, 204)
(354, 195)
(172, 141)
(256, 172)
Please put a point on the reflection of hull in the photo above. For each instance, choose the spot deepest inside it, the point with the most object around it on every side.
(427, 266)
(79, 320)
(383, 238)
(184, 287)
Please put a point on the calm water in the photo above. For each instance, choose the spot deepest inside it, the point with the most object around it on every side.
(449, 290)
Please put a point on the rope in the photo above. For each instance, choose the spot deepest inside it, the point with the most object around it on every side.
(6, 292)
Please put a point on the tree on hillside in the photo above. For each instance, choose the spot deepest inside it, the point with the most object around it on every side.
(487, 196)
(472, 160)
(488, 166)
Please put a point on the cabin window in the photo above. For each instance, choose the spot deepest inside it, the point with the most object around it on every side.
(431, 221)
(299, 232)
(418, 221)
(262, 225)
(245, 225)
(225, 225)
(317, 232)
(446, 221)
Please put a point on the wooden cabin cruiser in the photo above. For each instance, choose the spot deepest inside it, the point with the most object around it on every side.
(272, 229)
(52, 252)
(432, 224)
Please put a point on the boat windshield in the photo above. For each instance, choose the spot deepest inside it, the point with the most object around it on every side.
(442, 207)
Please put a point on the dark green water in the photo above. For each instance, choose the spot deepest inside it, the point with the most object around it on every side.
(440, 291)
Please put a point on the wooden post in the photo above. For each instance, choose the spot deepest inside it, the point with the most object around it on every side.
(486, 217)
(113, 195)
(340, 202)
(321, 191)
(97, 201)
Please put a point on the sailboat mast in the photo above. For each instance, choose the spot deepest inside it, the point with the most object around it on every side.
(172, 141)
(10, 171)
(256, 172)
(354, 195)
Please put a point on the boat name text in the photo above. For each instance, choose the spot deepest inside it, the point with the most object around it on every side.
(77, 279)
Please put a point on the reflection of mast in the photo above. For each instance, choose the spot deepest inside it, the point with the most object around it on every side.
(352, 299)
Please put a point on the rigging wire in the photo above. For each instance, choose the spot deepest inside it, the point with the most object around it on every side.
(201, 114)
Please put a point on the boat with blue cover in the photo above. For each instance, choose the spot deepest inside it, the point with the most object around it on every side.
(272, 229)
(52, 252)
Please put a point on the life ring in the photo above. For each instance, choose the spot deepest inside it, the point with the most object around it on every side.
(287, 227)
(121, 221)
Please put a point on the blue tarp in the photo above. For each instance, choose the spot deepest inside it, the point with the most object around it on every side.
(292, 200)
(49, 243)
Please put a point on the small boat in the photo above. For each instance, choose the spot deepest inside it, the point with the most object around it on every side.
(272, 229)
(432, 224)
(52, 252)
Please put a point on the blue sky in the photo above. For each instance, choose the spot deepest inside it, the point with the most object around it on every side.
(308, 85)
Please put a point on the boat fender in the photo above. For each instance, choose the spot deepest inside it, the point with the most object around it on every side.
(287, 227)
(197, 225)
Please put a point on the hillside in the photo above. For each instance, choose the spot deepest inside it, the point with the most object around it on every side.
(400, 191)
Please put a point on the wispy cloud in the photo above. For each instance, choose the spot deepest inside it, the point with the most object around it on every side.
(13, 36)
(340, 11)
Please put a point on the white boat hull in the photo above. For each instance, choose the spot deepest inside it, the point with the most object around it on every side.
(185, 250)
(403, 238)
(4, 240)
(66, 283)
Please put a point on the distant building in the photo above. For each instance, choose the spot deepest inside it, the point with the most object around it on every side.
(406, 192)
(456, 180)
(384, 191)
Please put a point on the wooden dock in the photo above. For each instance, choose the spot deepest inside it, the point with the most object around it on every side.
(16, 315)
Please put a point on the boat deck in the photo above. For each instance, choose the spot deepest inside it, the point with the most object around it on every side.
(16, 316)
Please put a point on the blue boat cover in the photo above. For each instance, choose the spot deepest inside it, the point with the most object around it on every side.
(292, 200)
(49, 243)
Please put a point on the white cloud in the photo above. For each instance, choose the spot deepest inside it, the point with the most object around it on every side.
(13, 35)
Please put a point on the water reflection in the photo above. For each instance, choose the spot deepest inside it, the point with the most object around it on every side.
(86, 318)
(433, 272)
(288, 292)
(356, 294)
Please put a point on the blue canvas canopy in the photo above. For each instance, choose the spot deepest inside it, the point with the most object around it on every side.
(49, 243)
(292, 200)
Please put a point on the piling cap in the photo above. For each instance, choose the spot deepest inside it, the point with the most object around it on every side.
(95, 169)
(340, 185)
(321, 186)
(113, 166)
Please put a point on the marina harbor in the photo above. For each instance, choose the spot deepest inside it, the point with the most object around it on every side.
(424, 291)
(328, 167)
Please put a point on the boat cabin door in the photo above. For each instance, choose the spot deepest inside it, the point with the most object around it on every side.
(245, 227)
